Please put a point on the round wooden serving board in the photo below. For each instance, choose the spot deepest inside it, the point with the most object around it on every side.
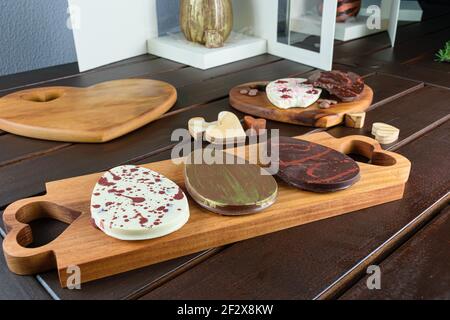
(98, 113)
(313, 116)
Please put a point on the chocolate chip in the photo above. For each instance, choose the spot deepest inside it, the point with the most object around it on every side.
(324, 105)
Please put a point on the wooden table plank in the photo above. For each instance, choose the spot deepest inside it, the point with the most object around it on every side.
(301, 262)
(408, 33)
(37, 76)
(418, 270)
(122, 71)
(189, 75)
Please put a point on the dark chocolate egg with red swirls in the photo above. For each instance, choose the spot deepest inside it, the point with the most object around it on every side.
(313, 167)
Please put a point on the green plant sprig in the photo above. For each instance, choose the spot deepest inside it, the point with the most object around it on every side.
(443, 55)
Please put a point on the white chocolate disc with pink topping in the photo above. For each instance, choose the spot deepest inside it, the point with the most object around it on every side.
(292, 93)
(135, 203)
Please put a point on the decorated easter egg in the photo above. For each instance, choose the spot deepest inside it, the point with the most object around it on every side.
(135, 203)
(292, 93)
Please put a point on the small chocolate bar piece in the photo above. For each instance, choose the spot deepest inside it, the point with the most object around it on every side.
(347, 86)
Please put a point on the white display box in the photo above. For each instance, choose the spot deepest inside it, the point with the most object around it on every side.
(175, 47)
(409, 10)
(353, 28)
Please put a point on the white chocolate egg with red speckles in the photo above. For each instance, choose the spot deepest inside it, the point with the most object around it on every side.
(135, 203)
(292, 93)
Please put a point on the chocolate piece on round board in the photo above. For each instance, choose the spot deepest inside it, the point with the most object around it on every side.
(347, 86)
(313, 167)
(230, 188)
(135, 203)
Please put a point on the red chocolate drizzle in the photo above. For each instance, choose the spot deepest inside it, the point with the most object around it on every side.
(179, 195)
(134, 199)
(104, 182)
(115, 177)
(142, 220)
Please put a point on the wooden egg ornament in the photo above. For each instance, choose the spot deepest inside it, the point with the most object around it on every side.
(227, 129)
(135, 203)
(355, 120)
(197, 127)
(385, 133)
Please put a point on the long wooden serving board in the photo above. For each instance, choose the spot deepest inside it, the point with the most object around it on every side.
(313, 116)
(100, 256)
(95, 114)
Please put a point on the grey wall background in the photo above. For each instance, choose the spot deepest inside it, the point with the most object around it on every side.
(33, 35)
(167, 11)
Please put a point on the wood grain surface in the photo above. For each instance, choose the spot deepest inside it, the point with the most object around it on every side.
(95, 114)
(68, 201)
(260, 106)
(418, 270)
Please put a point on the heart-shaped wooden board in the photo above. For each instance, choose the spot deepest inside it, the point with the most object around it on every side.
(260, 106)
(95, 114)
(314, 167)
(230, 188)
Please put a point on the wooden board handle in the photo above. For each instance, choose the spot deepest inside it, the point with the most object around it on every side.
(368, 148)
(20, 259)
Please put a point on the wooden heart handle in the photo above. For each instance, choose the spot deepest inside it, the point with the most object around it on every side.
(20, 259)
(368, 148)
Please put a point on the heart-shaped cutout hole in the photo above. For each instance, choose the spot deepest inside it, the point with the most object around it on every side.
(365, 152)
(45, 220)
(42, 96)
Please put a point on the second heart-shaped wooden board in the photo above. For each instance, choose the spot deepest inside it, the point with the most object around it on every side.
(95, 114)
(313, 116)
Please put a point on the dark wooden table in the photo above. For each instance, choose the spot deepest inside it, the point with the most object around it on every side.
(408, 239)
